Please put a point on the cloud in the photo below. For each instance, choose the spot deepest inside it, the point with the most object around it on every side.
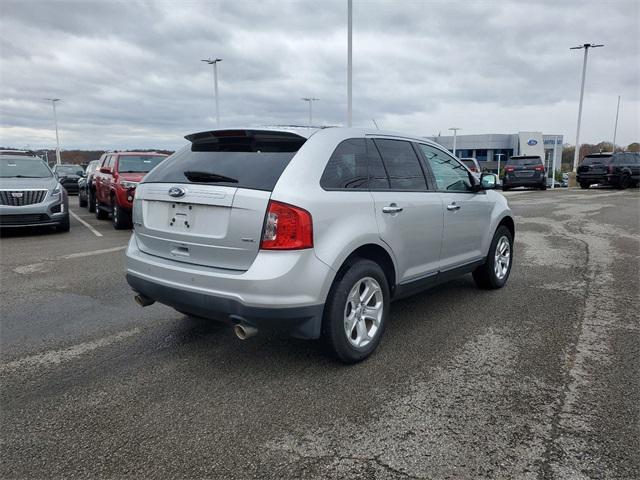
(130, 74)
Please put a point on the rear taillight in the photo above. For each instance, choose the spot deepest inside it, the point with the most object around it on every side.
(539, 168)
(286, 228)
(509, 169)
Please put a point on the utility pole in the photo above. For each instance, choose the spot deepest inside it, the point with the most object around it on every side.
(349, 61)
(455, 132)
(586, 48)
(310, 100)
(615, 129)
(215, 85)
(55, 120)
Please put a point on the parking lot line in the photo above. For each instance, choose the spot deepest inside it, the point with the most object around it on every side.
(95, 232)
(43, 266)
(56, 357)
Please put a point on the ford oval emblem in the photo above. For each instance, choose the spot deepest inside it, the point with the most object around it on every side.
(532, 142)
(177, 192)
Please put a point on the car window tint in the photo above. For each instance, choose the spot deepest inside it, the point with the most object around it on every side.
(347, 167)
(450, 175)
(402, 165)
(378, 179)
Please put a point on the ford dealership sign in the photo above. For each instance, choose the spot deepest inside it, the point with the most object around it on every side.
(532, 142)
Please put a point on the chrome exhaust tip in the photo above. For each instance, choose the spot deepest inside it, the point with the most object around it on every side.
(244, 332)
(143, 301)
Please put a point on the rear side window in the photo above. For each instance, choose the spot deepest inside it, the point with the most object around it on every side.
(402, 165)
(355, 165)
(243, 159)
(348, 167)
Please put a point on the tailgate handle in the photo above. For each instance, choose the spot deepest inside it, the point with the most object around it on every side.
(180, 251)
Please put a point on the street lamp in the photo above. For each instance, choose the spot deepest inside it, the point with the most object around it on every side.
(615, 129)
(55, 119)
(349, 60)
(586, 48)
(215, 84)
(455, 132)
(310, 100)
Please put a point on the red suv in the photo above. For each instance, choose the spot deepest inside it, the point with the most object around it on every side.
(116, 180)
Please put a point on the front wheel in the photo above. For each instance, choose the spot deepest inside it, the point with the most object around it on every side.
(92, 202)
(625, 181)
(494, 272)
(82, 199)
(584, 185)
(356, 311)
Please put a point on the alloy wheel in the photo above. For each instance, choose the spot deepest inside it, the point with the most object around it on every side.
(363, 312)
(502, 257)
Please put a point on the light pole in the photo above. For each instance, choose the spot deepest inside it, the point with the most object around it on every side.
(310, 100)
(499, 155)
(586, 48)
(215, 85)
(349, 60)
(553, 177)
(615, 129)
(455, 132)
(55, 119)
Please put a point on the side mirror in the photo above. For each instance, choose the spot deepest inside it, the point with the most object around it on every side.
(488, 181)
(105, 170)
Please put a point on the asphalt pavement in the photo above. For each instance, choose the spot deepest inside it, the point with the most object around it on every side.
(540, 379)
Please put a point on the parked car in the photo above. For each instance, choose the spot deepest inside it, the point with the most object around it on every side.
(116, 181)
(69, 174)
(473, 165)
(620, 169)
(30, 194)
(524, 171)
(86, 185)
(313, 232)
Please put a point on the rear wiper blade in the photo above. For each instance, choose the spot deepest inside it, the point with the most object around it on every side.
(206, 177)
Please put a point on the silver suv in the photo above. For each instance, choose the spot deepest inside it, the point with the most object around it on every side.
(31, 194)
(313, 232)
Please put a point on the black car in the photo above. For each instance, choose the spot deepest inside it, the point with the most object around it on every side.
(68, 175)
(86, 186)
(620, 169)
(524, 171)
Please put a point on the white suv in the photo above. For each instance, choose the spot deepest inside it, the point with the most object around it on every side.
(314, 232)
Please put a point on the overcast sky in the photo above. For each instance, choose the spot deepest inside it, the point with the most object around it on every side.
(129, 73)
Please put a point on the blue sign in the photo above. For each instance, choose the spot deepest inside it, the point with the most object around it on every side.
(532, 142)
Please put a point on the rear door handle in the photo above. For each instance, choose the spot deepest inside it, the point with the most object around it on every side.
(453, 206)
(393, 208)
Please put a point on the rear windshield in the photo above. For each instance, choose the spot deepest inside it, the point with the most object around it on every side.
(138, 163)
(595, 159)
(251, 161)
(10, 168)
(521, 161)
(69, 170)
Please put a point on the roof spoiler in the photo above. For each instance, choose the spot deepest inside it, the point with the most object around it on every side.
(215, 136)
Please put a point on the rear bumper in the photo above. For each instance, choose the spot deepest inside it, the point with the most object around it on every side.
(512, 181)
(281, 290)
(600, 178)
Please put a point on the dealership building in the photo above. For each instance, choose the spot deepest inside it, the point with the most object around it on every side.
(489, 148)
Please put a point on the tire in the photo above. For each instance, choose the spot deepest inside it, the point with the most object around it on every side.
(121, 218)
(82, 200)
(543, 187)
(485, 275)
(505, 189)
(344, 304)
(92, 202)
(100, 213)
(624, 182)
(65, 225)
(584, 185)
